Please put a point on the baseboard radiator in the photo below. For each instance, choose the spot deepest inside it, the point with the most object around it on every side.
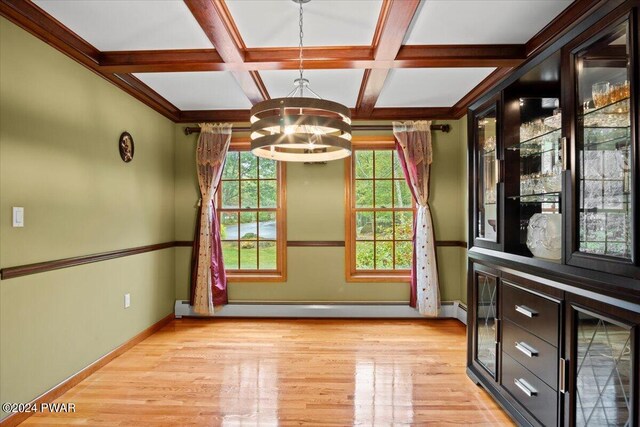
(449, 309)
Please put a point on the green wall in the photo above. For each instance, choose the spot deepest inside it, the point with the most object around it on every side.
(59, 128)
(59, 125)
(315, 195)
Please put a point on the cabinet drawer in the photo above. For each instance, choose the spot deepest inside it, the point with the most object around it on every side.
(532, 393)
(533, 313)
(538, 356)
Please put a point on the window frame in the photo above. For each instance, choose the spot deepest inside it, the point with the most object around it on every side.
(351, 274)
(257, 275)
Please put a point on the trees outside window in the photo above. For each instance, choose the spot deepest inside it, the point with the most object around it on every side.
(251, 210)
(380, 215)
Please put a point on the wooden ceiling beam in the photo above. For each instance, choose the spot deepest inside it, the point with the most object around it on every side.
(332, 57)
(216, 22)
(393, 24)
(242, 116)
(153, 61)
(499, 55)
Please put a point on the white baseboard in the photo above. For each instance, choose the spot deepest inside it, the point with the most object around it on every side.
(449, 309)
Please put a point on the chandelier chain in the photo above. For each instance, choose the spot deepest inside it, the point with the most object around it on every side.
(300, 44)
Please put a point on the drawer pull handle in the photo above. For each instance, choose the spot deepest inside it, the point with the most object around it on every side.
(522, 309)
(525, 387)
(526, 349)
(563, 376)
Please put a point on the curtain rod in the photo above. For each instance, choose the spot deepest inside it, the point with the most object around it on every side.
(444, 128)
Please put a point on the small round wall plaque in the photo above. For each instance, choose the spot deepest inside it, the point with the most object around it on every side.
(126, 147)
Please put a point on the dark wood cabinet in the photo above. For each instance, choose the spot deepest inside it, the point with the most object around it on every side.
(485, 150)
(484, 340)
(602, 364)
(554, 295)
(600, 96)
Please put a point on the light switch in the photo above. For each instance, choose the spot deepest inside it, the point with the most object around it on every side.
(18, 217)
(127, 300)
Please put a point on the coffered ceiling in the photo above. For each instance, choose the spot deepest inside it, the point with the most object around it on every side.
(197, 60)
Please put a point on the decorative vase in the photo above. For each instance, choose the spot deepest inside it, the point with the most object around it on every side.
(544, 235)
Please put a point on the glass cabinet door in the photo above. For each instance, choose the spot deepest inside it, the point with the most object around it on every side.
(485, 321)
(486, 175)
(603, 370)
(604, 150)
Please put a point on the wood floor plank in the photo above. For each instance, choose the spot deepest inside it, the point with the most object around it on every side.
(268, 372)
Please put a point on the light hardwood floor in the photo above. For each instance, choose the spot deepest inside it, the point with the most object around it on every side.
(244, 372)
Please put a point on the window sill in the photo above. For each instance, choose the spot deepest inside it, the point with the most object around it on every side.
(257, 277)
(378, 278)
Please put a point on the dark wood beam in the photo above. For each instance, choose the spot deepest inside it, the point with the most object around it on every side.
(216, 22)
(153, 61)
(393, 24)
(232, 55)
(331, 57)
(42, 25)
(370, 89)
(411, 113)
(199, 116)
(318, 57)
(424, 56)
(428, 113)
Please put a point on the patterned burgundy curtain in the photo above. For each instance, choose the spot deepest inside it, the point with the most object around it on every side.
(414, 151)
(208, 279)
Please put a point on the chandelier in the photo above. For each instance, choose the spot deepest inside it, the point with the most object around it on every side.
(299, 128)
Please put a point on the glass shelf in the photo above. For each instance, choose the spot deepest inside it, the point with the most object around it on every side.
(614, 115)
(607, 138)
(537, 137)
(553, 197)
(540, 144)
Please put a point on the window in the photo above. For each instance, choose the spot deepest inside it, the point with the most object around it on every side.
(380, 215)
(251, 213)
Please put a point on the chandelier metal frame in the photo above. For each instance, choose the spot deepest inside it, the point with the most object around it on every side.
(299, 128)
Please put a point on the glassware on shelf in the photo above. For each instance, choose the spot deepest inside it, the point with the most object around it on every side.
(534, 129)
(555, 121)
(541, 182)
(552, 183)
(553, 199)
(620, 91)
(615, 115)
(600, 92)
(604, 159)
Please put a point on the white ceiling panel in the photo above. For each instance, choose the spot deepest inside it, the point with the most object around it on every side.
(131, 24)
(429, 87)
(481, 21)
(215, 90)
(335, 85)
(274, 23)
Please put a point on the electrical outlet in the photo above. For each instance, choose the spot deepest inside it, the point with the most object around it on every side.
(127, 300)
